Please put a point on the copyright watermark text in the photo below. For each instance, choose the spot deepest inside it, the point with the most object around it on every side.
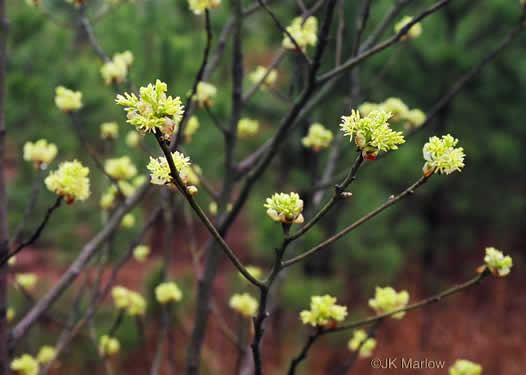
(407, 363)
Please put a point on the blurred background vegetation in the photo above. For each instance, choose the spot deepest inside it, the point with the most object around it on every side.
(442, 229)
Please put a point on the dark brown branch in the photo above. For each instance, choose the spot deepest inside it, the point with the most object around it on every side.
(304, 351)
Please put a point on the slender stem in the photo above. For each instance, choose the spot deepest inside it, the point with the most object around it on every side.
(304, 351)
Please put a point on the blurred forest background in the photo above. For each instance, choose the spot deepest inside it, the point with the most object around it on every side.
(423, 244)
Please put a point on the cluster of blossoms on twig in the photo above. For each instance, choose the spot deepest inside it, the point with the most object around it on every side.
(141, 252)
(108, 199)
(372, 133)
(41, 153)
(191, 127)
(244, 304)
(442, 156)
(27, 281)
(120, 168)
(199, 6)
(70, 180)
(317, 138)
(129, 301)
(132, 139)
(160, 172)
(465, 367)
(153, 111)
(257, 75)
(109, 130)
(108, 346)
(497, 263)
(323, 312)
(387, 300)
(285, 208)
(68, 100)
(116, 70)
(128, 221)
(304, 32)
(363, 342)
(414, 32)
(28, 365)
(168, 292)
(247, 127)
(204, 94)
(413, 118)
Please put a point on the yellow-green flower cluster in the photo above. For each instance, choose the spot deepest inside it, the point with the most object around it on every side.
(192, 174)
(68, 100)
(25, 365)
(141, 252)
(109, 345)
(256, 272)
(399, 110)
(247, 127)
(285, 208)
(160, 169)
(26, 280)
(244, 304)
(132, 139)
(120, 168)
(11, 313)
(414, 32)
(323, 311)
(168, 292)
(387, 300)
(199, 6)
(498, 264)
(304, 32)
(372, 133)
(107, 200)
(317, 138)
(41, 153)
(128, 221)
(116, 70)
(132, 302)
(442, 156)
(109, 130)
(465, 367)
(360, 338)
(154, 110)
(257, 75)
(46, 354)
(191, 127)
(70, 180)
(205, 93)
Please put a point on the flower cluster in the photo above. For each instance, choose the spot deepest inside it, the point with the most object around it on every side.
(191, 127)
(442, 156)
(11, 313)
(303, 31)
(414, 32)
(360, 340)
(465, 367)
(46, 354)
(317, 138)
(192, 174)
(120, 168)
(372, 133)
(153, 110)
(244, 304)
(285, 208)
(205, 93)
(70, 180)
(107, 200)
(256, 272)
(323, 311)
(132, 302)
(199, 6)
(160, 169)
(387, 300)
(128, 221)
(141, 252)
(68, 100)
(247, 127)
(25, 365)
(132, 139)
(26, 280)
(41, 153)
(498, 264)
(109, 345)
(109, 130)
(116, 70)
(257, 75)
(168, 292)
(400, 111)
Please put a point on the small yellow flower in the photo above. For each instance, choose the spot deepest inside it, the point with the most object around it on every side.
(160, 170)
(168, 292)
(257, 75)
(498, 264)
(323, 311)
(11, 313)
(285, 208)
(132, 139)
(442, 156)
(12, 261)
(25, 365)
(247, 127)
(41, 153)
(192, 174)
(120, 168)
(317, 138)
(304, 32)
(244, 304)
(70, 180)
(465, 367)
(190, 128)
(141, 252)
(109, 345)
(68, 100)
(128, 221)
(396, 107)
(132, 302)
(26, 280)
(256, 272)
(212, 208)
(46, 354)
(367, 347)
(415, 118)
(387, 299)
(414, 32)
(199, 6)
(205, 94)
(116, 70)
(109, 130)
